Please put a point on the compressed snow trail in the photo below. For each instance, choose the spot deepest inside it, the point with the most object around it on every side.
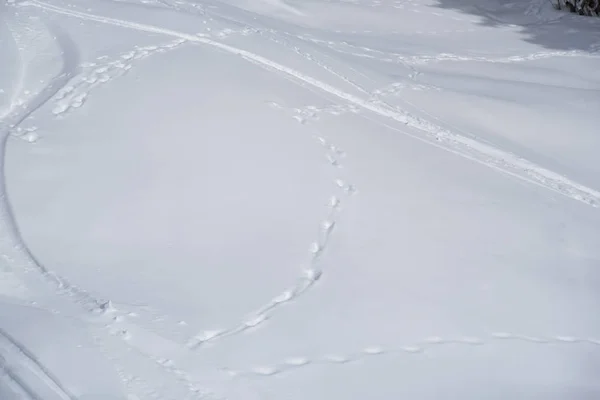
(15, 357)
(463, 146)
(167, 354)
(18, 111)
(29, 361)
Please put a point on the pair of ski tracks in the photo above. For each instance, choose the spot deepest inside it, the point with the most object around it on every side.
(146, 342)
(163, 351)
(423, 130)
(21, 359)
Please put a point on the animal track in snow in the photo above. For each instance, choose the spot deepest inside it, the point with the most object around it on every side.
(312, 113)
(29, 135)
(311, 273)
(396, 88)
(289, 364)
(228, 32)
(425, 130)
(74, 95)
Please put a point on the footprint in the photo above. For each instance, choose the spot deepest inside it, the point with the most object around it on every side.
(104, 78)
(64, 92)
(78, 100)
(283, 297)
(60, 108)
(373, 350)
(266, 370)
(128, 56)
(338, 359)
(31, 137)
(315, 248)
(257, 320)
(327, 225)
(297, 361)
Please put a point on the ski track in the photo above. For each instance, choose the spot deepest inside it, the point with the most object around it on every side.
(93, 75)
(19, 110)
(21, 356)
(23, 261)
(18, 84)
(390, 57)
(17, 384)
(73, 96)
(293, 363)
(69, 97)
(472, 149)
(311, 58)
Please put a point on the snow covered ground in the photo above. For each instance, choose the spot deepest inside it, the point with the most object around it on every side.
(286, 199)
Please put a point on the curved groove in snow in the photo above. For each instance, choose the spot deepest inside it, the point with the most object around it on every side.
(16, 114)
(484, 154)
(31, 363)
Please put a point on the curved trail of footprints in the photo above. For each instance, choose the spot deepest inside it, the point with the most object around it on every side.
(72, 95)
(422, 130)
(70, 98)
(21, 366)
(310, 274)
(94, 75)
(290, 364)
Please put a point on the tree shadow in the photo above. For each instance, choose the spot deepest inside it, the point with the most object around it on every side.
(539, 21)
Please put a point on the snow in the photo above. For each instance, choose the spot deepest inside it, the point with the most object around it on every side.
(320, 199)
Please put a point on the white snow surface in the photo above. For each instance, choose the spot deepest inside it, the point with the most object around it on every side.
(292, 199)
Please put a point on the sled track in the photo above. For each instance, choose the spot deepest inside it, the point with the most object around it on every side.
(24, 358)
(426, 131)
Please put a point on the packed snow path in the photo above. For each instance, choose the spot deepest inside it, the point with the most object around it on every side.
(411, 248)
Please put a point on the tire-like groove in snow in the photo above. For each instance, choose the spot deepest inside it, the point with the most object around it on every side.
(29, 361)
(148, 348)
(16, 114)
(471, 149)
(100, 309)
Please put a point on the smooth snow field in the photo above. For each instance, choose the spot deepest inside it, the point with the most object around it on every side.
(299, 199)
